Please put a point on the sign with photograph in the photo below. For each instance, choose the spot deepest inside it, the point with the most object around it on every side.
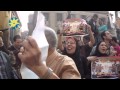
(106, 68)
(74, 26)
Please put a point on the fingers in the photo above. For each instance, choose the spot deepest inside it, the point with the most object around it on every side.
(26, 45)
(88, 27)
(32, 41)
(22, 49)
(21, 56)
(29, 43)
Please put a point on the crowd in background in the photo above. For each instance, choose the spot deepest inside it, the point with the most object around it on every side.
(99, 42)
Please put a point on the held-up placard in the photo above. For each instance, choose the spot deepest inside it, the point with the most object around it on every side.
(106, 68)
(74, 26)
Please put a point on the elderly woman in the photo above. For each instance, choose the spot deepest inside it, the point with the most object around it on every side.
(72, 49)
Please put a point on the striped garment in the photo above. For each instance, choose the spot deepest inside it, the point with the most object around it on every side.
(6, 70)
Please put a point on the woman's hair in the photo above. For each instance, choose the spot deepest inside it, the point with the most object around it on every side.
(103, 34)
(97, 52)
(79, 60)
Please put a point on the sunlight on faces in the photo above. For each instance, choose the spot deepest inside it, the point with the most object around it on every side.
(102, 48)
(70, 46)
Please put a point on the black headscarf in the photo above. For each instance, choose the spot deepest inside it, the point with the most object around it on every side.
(97, 52)
(79, 60)
(76, 55)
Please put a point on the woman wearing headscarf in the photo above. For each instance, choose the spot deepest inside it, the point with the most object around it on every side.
(101, 51)
(72, 49)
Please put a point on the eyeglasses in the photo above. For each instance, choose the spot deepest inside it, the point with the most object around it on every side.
(70, 43)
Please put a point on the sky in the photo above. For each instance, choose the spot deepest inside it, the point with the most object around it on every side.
(23, 15)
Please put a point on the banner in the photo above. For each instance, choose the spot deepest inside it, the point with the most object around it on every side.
(74, 26)
(106, 68)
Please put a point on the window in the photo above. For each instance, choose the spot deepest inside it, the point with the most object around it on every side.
(46, 16)
(83, 16)
(59, 17)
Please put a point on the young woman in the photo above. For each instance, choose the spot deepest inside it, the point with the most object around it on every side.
(101, 50)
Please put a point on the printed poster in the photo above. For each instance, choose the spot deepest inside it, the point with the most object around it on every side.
(106, 68)
(74, 26)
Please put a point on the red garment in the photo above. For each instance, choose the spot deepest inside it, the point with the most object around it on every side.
(117, 48)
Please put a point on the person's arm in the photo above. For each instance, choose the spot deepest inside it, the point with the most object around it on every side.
(44, 72)
(68, 69)
(92, 58)
(30, 55)
(92, 39)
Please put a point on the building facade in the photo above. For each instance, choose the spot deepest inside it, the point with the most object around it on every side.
(55, 18)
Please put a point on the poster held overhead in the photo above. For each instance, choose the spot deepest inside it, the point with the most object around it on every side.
(74, 26)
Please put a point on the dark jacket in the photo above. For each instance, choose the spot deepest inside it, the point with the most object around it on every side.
(3, 48)
(6, 71)
(15, 52)
(94, 28)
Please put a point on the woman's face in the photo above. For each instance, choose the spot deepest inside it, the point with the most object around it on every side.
(102, 48)
(70, 46)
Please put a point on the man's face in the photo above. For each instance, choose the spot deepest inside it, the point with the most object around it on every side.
(108, 35)
(95, 19)
(18, 43)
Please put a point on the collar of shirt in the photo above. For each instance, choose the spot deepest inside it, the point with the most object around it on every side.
(52, 57)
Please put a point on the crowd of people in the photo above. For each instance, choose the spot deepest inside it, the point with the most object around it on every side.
(67, 59)
(100, 43)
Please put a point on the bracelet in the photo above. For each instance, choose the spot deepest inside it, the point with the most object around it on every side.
(48, 73)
